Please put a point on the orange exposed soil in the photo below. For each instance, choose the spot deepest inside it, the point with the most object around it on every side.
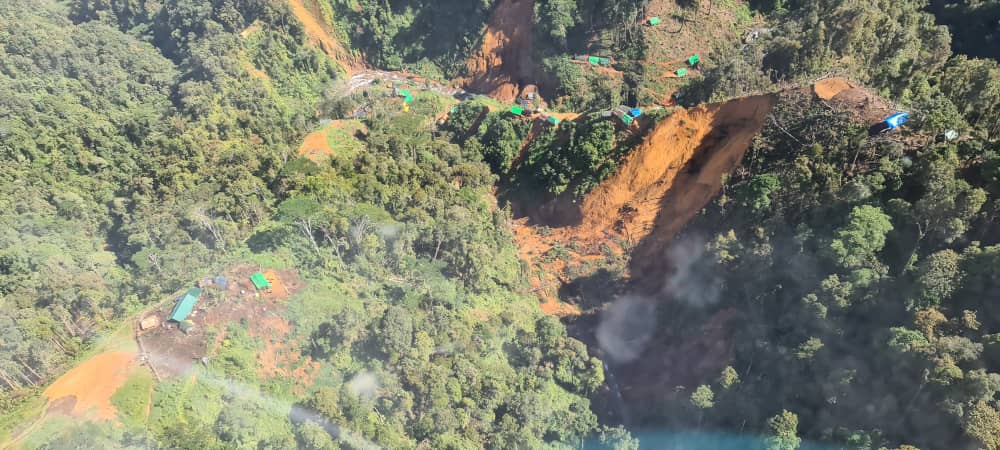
(714, 137)
(665, 181)
(308, 14)
(545, 278)
(830, 87)
(503, 61)
(91, 384)
(864, 104)
(609, 71)
(279, 358)
(554, 307)
(316, 145)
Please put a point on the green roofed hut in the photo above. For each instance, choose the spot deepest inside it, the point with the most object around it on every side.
(594, 60)
(260, 281)
(553, 120)
(516, 110)
(408, 99)
(693, 60)
(654, 21)
(681, 73)
(606, 62)
(185, 305)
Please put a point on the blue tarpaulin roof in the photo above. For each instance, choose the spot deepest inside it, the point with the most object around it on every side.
(895, 120)
(635, 112)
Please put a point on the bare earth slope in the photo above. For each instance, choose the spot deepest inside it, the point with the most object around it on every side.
(502, 63)
(307, 13)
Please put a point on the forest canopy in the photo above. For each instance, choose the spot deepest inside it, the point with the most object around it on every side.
(844, 278)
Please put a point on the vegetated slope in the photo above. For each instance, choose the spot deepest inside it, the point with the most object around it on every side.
(857, 272)
(687, 28)
(503, 61)
(307, 13)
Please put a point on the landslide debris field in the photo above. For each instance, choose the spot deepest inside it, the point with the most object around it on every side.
(308, 14)
(677, 168)
(503, 61)
(629, 223)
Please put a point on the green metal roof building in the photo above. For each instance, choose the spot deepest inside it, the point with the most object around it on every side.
(185, 305)
(259, 281)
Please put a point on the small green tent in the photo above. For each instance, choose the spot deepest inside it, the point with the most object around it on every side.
(408, 99)
(654, 21)
(404, 92)
(682, 72)
(516, 110)
(594, 60)
(259, 281)
(694, 59)
(604, 61)
(185, 305)
(627, 119)
(553, 120)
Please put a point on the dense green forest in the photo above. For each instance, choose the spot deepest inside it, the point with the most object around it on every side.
(147, 144)
(133, 160)
(142, 150)
(861, 271)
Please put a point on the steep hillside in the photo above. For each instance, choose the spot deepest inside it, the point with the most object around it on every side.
(676, 169)
(686, 157)
(503, 62)
(307, 12)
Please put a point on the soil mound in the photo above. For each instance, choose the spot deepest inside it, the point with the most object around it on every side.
(862, 103)
(830, 87)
